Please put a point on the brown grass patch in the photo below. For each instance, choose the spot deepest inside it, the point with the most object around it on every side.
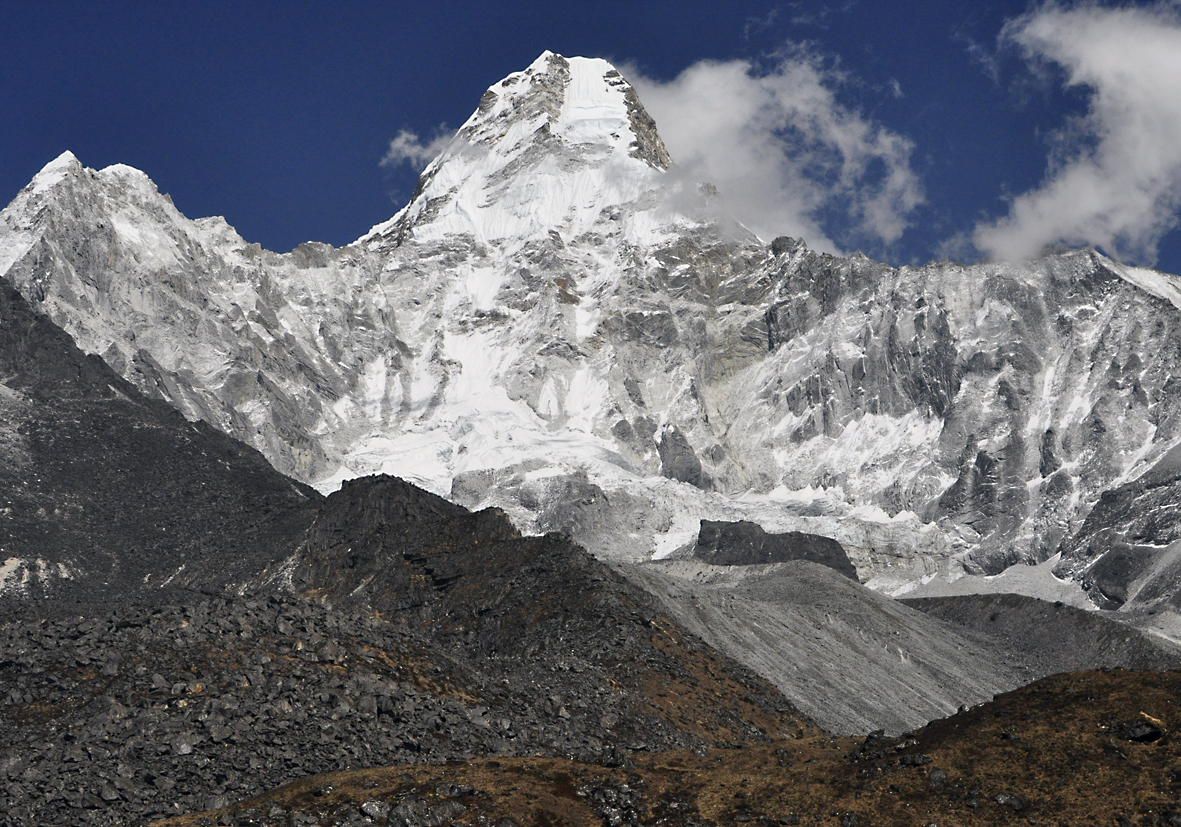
(1056, 752)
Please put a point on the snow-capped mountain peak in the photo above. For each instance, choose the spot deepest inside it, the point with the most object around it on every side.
(582, 101)
(54, 172)
(557, 147)
(542, 330)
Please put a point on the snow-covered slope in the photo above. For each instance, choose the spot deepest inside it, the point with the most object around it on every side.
(190, 312)
(555, 148)
(557, 325)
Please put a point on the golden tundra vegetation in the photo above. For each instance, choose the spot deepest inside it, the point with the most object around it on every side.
(1087, 748)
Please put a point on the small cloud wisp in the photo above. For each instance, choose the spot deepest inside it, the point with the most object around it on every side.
(409, 148)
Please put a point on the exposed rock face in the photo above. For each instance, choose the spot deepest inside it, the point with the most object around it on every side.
(551, 307)
(678, 461)
(746, 544)
(1127, 552)
(1019, 367)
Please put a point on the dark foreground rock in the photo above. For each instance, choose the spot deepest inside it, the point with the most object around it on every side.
(527, 606)
(423, 633)
(107, 493)
(161, 711)
(152, 711)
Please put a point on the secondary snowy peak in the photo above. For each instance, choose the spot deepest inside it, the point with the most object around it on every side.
(558, 147)
(16, 236)
(188, 311)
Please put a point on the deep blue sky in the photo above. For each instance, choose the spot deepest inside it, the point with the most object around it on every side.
(276, 115)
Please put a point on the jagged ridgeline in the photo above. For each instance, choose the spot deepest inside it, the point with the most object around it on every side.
(558, 326)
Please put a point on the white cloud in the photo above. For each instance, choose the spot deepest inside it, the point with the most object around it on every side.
(1114, 177)
(409, 148)
(783, 151)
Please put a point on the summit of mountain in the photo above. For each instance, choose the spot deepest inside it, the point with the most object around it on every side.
(560, 147)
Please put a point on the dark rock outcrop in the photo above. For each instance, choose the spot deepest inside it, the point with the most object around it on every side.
(678, 460)
(746, 544)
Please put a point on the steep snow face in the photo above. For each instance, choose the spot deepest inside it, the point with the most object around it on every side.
(450, 339)
(553, 327)
(996, 402)
(550, 149)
